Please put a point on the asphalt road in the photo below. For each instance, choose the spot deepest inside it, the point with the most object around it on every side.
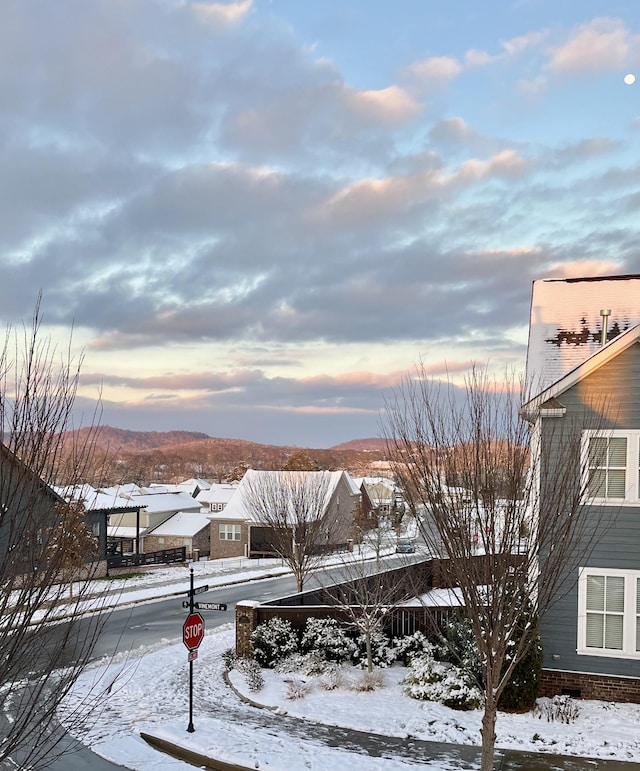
(147, 623)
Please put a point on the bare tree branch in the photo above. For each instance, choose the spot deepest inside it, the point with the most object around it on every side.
(476, 478)
(44, 543)
(295, 508)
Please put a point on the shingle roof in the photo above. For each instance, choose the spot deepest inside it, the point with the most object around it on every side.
(566, 325)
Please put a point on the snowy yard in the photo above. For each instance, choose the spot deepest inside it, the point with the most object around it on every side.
(149, 692)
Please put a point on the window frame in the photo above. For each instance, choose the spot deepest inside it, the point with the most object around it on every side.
(630, 617)
(632, 469)
(232, 532)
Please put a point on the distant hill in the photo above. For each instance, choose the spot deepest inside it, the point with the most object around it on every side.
(121, 439)
(365, 445)
(171, 456)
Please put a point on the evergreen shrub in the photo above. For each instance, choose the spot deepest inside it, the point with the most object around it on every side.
(273, 642)
(325, 637)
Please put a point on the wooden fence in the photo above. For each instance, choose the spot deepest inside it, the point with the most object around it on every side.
(162, 557)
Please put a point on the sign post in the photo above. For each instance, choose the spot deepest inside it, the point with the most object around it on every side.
(192, 635)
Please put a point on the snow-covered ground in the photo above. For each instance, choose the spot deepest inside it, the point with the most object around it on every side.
(147, 691)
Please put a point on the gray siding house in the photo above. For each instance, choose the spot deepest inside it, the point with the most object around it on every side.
(589, 382)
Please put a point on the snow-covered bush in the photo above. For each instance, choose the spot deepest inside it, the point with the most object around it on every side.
(326, 637)
(382, 654)
(273, 641)
(307, 663)
(559, 709)
(229, 659)
(522, 690)
(433, 680)
(405, 648)
(457, 646)
(252, 673)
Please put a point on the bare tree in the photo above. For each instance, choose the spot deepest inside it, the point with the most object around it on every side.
(294, 509)
(44, 544)
(367, 597)
(474, 473)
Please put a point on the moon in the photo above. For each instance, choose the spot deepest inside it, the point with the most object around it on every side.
(630, 79)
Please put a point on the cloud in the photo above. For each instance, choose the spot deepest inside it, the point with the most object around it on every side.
(579, 268)
(392, 105)
(452, 131)
(219, 207)
(600, 45)
(217, 14)
(432, 72)
(510, 48)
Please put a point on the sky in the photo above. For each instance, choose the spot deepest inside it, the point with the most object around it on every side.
(257, 216)
(137, 700)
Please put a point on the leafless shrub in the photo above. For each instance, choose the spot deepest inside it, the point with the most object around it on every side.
(297, 688)
(559, 709)
(368, 681)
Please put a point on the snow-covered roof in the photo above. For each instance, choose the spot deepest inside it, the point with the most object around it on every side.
(188, 486)
(566, 326)
(237, 510)
(165, 502)
(601, 356)
(438, 598)
(121, 490)
(217, 494)
(93, 499)
(183, 523)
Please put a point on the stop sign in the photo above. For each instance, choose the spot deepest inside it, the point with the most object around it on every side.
(193, 631)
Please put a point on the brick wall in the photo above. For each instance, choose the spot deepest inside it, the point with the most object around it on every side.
(246, 622)
(200, 541)
(590, 686)
(224, 549)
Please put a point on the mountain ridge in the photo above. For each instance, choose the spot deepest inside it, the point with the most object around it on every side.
(171, 456)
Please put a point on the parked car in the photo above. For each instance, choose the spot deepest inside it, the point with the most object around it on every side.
(405, 546)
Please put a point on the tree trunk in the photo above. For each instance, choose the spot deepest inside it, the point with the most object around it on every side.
(369, 654)
(488, 732)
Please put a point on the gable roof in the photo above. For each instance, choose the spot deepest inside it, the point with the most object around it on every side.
(601, 357)
(236, 508)
(182, 523)
(565, 327)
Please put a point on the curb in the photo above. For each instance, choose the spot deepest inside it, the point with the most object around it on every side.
(242, 697)
(189, 756)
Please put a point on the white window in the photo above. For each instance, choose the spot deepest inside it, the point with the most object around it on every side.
(217, 506)
(229, 532)
(612, 463)
(609, 612)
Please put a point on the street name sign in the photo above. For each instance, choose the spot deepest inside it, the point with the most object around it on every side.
(211, 605)
(199, 589)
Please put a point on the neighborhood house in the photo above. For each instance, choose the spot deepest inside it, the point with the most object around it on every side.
(583, 368)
